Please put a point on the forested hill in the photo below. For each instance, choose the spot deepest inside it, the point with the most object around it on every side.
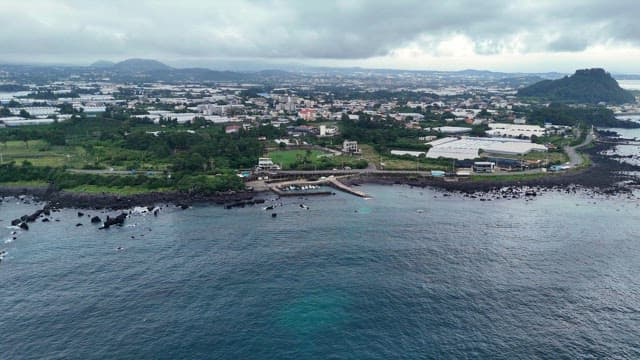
(589, 86)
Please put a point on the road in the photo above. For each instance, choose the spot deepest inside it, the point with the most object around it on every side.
(575, 159)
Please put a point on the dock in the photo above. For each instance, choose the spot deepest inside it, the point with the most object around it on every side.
(330, 181)
(348, 189)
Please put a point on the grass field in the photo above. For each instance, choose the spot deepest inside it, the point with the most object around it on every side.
(34, 183)
(393, 163)
(286, 158)
(39, 153)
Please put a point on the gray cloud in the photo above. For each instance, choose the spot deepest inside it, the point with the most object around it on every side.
(290, 29)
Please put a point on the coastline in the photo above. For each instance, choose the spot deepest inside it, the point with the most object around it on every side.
(63, 199)
(605, 174)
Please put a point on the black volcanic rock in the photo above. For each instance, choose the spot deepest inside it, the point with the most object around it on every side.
(589, 86)
(118, 220)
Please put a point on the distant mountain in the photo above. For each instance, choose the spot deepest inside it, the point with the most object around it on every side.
(140, 65)
(589, 86)
(194, 74)
(102, 64)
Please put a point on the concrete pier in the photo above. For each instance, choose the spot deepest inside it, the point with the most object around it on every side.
(340, 186)
(331, 181)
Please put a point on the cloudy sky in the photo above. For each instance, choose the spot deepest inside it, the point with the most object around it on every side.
(510, 35)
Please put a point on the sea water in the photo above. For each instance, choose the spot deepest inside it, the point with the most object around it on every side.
(408, 274)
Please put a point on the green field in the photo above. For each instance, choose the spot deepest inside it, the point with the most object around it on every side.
(315, 160)
(33, 183)
(39, 153)
(286, 158)
(396, 163)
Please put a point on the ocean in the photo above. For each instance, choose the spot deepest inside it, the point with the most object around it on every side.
(408, 274)
(629, 84)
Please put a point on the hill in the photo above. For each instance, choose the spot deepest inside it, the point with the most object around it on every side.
(194, 74)
(102, 64)
(589, 86)
(140, 65)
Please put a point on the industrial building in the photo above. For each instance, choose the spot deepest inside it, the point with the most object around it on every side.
(515, 130)
(452, 129)
(466, 148)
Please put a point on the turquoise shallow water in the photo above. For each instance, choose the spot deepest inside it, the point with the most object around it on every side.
(409, 274)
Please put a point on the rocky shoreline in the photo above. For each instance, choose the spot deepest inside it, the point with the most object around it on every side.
(605, 175)
(62, 199)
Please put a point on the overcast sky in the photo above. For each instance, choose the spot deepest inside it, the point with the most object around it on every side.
(498, 35)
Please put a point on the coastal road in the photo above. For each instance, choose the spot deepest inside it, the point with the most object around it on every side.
(391, 172)
(575, 159)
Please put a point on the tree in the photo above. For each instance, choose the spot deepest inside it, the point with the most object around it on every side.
(24, 136)
(448, 115)
(4, 137)
(56, 137)
(67, 108)
(25, 114)
(479, 130)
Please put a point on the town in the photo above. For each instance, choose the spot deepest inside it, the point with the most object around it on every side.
(277, 124)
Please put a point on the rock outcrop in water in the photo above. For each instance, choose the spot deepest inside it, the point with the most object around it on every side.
(118, 220)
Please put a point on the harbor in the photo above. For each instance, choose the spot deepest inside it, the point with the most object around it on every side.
(305, 187)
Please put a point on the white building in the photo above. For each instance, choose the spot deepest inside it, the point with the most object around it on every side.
(19, 121)
(413, 116)
(467, 148)
(407, 152)
(328, 130)
(266, 164)
(36, 110)
(452, 129)
(515, 130)
(350, 147)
